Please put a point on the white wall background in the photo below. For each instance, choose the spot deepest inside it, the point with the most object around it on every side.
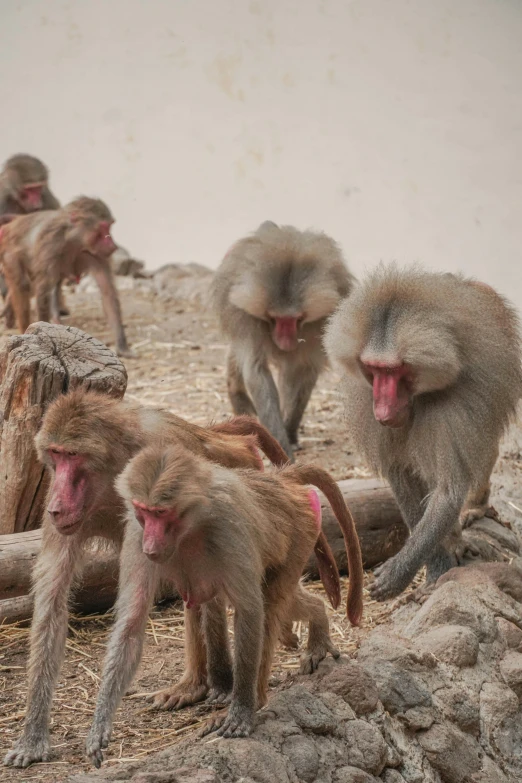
(394, 125)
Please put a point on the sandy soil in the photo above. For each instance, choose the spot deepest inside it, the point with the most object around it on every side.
(179, 365)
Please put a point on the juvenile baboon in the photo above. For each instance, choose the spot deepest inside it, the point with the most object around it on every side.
(85, 441)
(221, 536)
(432, 376)
(24, 188)
(272, 294)
(38, 251)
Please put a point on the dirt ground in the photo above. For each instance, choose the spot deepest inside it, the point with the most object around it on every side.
(179, 366)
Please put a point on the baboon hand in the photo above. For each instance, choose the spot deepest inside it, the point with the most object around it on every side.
(98, 738)
(391, 578)
(177, 696)
(28, 750)
(237, 722)
(311, 659)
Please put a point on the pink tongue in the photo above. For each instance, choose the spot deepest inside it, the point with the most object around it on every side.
(286, 331)
(385, 399)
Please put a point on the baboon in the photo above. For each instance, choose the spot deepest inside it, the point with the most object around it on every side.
(432, 377)
(38, 251)
(85, 441)
(239, 537)
(24, 188)
(272, 294)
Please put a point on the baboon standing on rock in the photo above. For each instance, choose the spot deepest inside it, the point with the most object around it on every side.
(237, 537)
(432, 377)
(85, 440)
(272, 294)
(38, 251)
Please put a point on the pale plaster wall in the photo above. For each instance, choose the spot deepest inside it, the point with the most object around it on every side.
(394, 125)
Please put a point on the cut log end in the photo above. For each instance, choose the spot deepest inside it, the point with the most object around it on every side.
(35, 368)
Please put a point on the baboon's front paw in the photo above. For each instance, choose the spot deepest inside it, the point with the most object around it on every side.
(313, 657)
(178, 696)
(237, 722)
(391, 579)
(289, 639)
(97, 739)
(470, 515)
(219, 695)
(27, 750)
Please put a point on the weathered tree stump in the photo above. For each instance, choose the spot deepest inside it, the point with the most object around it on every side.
(35, 368)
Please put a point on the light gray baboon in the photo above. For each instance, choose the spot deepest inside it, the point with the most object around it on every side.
(272, 294)
(432, 377)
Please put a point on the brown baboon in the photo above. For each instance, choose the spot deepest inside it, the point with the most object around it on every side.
(24, 188)
(38, 251)
(272, 294)
(432, 376)
(221, 536)
(85, 441)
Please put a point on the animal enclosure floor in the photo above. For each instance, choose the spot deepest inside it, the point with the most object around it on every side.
(179, 366)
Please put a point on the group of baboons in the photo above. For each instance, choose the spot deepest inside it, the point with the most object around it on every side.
(431, 376)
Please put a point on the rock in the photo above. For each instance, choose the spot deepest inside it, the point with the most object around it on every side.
(507, 740)
(251, 759)
(505, 537)
(337, 705)
(184, 775)
(305, 709)
(365, 746)
(490, 773)
(353, 775)
(459, 705)
(349, 680)
(392, 776)
(303, 755)
(453, 754)
(454, 604)
(452, 644)
(507, 577)
(399, 690)
(418, 718)
(510, 633)
(496, 703)
(397, 650)
(511, 670)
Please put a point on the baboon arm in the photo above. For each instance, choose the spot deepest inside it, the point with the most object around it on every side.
(137, 586)
(262, 389)
(104, 278)
(54, 572)
(296, 383)
(440, 516)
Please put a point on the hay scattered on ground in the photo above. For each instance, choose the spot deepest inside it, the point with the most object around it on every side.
(138, 730)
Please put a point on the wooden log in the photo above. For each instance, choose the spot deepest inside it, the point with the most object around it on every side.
(378, 521)
(35, 368)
